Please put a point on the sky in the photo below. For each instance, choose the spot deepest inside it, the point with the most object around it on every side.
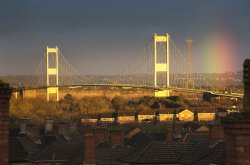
(99, 37)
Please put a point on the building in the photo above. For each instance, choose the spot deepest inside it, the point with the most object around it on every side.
(205, 113)
(126, 117)
(107, 118)
(246, 81)
(89, 119)
(5, 94)
(166, 115)
(221, 112)
(185, 115)
(146, 115)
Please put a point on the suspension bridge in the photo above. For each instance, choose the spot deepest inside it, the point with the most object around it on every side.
(160, 66)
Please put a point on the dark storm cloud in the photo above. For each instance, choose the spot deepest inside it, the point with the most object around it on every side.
(40, 16)
(117, 27)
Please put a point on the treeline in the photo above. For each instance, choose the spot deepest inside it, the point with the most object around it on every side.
(69, 108)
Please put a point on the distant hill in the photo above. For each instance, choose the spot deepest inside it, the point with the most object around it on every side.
(202, 79)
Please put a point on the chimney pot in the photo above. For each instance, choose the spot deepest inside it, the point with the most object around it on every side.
(177, 131)
(48, 125)
(24, 122)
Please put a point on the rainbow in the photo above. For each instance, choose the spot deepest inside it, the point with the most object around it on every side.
(219, 52)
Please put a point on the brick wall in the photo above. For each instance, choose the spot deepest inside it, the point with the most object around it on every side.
(237, 143)
(4, 123)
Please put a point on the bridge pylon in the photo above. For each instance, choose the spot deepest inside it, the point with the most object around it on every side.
(162, 66)
(52, 70)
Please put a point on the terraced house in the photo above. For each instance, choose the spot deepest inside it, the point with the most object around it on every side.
(126, 117)
(146, 115)
(166, 115)
(185, 115)
(205, 113)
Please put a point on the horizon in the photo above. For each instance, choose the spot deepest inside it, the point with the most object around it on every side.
(129, 74)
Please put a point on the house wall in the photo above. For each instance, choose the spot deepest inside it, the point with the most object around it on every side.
(186, 115)
(166, 117)
(107, 120)
(206, 116)
(126, 119)
(143, 117)
(89, 121)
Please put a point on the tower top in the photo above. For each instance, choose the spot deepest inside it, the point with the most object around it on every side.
(189, 41)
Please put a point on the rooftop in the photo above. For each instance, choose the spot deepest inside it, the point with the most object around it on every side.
(3, 84)
(243, 117)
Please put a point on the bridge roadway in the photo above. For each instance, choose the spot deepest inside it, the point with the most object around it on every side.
(198, 91)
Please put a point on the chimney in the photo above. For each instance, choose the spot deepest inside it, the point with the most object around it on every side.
(101, 135)
(116, 137)
(48, 125)
(24, 122)
(177, 131)
(169, 134)
(216, 133)
(73, 127)
(237, 138)
(246, 81)
(89, 149)
(62, 129)
(5, 93)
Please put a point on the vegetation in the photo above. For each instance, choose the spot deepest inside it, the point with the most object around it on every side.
(69, 108)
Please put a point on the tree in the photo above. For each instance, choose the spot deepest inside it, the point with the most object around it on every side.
(155, 105)
(148, 100)
(98, 104)
(118, 103)
(69, 106)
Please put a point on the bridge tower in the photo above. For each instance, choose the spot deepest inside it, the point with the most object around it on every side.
(52, 68)
(163, 66)
(190, 81)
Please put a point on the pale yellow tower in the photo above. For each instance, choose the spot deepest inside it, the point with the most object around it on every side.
(52, 68)
(163, 66)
